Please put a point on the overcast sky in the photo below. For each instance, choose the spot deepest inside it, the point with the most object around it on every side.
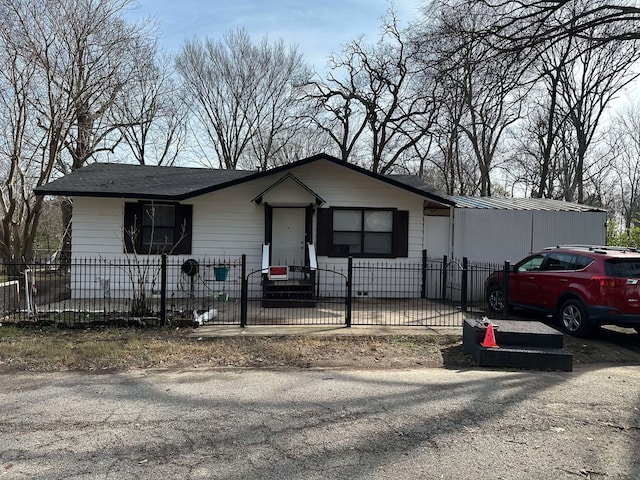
(317, 27)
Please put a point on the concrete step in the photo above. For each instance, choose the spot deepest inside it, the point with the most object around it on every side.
(530, 358)
(291, 302)
(516, 333)
(521, 344)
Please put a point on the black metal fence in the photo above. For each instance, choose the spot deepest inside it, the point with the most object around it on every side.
(149, 291)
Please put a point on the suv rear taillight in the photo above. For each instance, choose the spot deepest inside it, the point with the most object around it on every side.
(605, 281)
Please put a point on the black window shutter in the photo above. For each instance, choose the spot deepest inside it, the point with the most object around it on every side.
(324, 232)
(131, 225)
(184, 218)
(401, 233)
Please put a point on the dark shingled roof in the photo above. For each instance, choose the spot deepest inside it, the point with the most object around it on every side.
(140, 181)
(415, 182)
(180, 183)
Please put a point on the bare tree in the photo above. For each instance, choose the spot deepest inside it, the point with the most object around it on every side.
(50, 232)
(483, 92)
(78, 56)
(279, 103)
(24, 161)
(624, 137)
(540, 138)
(151, 115)
(450, 165)
(570, 69)
(245, 96)
(338, 113)
(528, 24)
(550, 121)
(89, 54)
(588, 86)
(576, 84)
(306, 141)
(381, 103)
(493, 104)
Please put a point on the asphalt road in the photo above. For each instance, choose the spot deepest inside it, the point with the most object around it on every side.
(322, 424)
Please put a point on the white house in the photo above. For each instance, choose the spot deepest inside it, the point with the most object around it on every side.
(313, 212)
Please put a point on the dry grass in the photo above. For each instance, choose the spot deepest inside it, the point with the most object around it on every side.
(124, 349)
(51, 349)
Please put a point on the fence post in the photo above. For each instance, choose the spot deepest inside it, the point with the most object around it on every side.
(423, 287)
(349, 291)
(464, 283)
(243, 292)
(444, 279)
(163, 290)
(505, 290)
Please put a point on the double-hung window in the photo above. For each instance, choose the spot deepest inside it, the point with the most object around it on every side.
(362, 232)
(157, 227)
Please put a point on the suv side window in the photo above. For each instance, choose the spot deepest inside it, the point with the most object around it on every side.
(532, 264)
(566, 261)
(559, 261)
(582, 262)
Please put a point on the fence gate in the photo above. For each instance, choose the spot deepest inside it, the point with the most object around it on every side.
(295, 295)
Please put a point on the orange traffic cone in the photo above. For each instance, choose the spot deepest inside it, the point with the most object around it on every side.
(489, 338)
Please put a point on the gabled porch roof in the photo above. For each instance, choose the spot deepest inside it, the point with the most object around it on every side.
(287, 182)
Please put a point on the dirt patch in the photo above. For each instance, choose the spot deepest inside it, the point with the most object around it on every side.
(612, 346)
(124, 349)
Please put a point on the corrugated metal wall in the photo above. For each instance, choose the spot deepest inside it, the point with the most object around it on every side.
(557, 228)
(493, 235)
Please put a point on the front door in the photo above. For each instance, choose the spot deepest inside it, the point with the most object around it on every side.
(288, 236)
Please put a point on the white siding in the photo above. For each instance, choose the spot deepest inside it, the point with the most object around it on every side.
(97, 228)
(288, 192)
(437, 234)
(496, 235)
(227, 223)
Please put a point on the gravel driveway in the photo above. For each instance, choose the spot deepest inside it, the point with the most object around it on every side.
(323, 424)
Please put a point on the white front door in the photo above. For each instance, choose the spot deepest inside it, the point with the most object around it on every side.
(287, 237)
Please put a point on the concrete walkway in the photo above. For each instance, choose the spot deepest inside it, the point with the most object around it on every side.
(211, 331)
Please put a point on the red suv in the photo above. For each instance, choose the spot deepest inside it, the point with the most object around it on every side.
(582, 286)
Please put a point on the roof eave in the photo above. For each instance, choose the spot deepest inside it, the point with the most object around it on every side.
(140, 196)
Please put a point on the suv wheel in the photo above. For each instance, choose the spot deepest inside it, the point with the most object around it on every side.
(495, 298)
(574, 318)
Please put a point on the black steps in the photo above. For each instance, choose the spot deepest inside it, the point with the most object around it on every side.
(521, 344)
(288, 294)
